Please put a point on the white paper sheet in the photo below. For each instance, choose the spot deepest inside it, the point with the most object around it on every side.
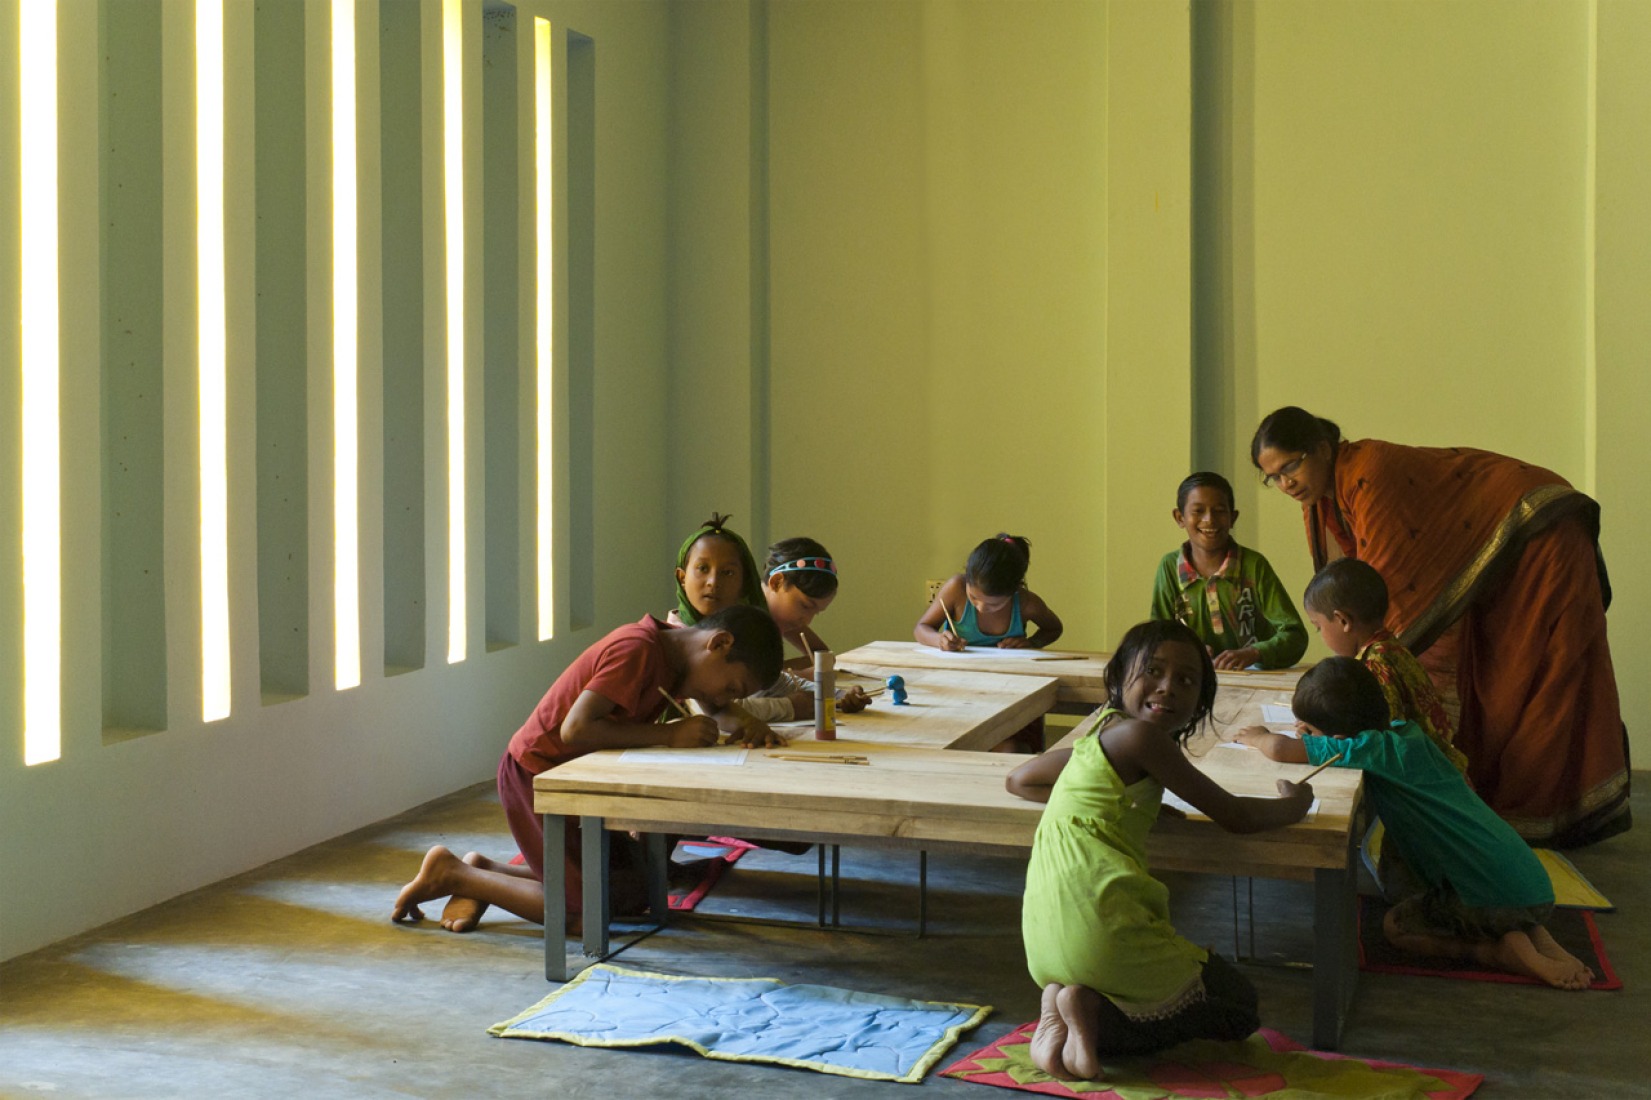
(1187, 808)
(721, 755)
(979, 651)
(1274, 714)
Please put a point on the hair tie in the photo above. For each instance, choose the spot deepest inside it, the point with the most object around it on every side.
(805, 565)
(1010, 539)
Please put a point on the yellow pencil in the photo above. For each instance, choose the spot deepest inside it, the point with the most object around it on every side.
(1320, 768)
(946, 611)
(674, 705)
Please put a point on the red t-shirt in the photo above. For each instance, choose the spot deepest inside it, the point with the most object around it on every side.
(627, 668)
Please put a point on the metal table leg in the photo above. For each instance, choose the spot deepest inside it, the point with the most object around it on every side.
(556, 915)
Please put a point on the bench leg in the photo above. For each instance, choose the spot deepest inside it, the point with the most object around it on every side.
(1335, 954)
(594, 870)
(556, 914)
(656, 862)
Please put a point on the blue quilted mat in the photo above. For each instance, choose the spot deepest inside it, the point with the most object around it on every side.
(750, 1020)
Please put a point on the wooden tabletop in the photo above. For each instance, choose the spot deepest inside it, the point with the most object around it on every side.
(945, 709)
(928, 798)
(1081, 675)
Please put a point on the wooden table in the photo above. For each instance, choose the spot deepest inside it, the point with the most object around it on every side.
(1081, 676)
(947, 709)
(936, 800)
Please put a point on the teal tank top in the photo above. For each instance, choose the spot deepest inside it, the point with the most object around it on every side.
(968, 628)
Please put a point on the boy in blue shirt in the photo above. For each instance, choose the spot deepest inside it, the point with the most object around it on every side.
(1485, 894)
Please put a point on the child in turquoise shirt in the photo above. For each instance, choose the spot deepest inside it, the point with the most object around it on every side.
(1228, 594)
(1485, 895)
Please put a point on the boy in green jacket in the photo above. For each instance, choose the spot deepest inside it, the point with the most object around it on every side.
(1227, 594)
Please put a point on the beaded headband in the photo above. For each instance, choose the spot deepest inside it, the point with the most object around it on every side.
(805, 565)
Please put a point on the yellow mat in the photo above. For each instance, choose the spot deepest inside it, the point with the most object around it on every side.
(1572, 890)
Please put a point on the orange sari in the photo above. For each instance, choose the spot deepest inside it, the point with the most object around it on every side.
(1495, 582)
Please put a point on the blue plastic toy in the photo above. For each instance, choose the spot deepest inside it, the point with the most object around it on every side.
(897, 690)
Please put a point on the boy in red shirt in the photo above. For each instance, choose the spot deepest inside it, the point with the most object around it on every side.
(607, 699)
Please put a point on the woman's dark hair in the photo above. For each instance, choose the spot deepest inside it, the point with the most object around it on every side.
(1130, 659)
(1204, 479)
(757, 643)
(1292, 429)
(1340, 697)
(810, 582)
(998, 566)
(1350, 586)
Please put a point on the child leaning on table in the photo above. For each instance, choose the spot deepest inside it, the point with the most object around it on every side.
(988, 604)
(1485, 894)
(799, 582)
(1117, 979)
(1228, 594)
(1346, 602)
(607, 699)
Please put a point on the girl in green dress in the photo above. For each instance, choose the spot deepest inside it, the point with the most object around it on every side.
(1117, 978)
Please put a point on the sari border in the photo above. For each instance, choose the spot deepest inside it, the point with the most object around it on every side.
(1535, 512)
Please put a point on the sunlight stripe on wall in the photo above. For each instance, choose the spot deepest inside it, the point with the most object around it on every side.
(209, 267)
(346, 535)
(41, 465)
(544, 293)
(452, 40)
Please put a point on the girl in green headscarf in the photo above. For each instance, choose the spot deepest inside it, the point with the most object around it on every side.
(714, 570)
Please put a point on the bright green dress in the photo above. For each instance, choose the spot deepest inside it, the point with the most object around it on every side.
(1092, 915)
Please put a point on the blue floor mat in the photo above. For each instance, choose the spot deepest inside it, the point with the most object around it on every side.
(750, 1020)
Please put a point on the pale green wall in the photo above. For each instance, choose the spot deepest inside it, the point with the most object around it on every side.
(1030, 262)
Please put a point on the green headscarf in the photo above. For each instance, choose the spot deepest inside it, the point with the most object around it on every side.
(750, 594)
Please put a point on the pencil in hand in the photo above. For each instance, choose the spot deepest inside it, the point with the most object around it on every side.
(681, 712)
(1318, 769)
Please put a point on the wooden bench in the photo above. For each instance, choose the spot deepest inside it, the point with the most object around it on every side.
(936, 800)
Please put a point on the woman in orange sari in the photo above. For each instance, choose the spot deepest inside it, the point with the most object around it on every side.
(1497, 585)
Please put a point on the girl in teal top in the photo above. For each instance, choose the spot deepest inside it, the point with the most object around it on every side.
(988, 604)
(1117, 978)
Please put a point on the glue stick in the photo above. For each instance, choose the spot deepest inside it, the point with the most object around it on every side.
(825, 695)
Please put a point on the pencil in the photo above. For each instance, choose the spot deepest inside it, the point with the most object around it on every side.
(946, 611)
(681, 712)
(802, 639)
(818, 758)
(1061, 657)
(1318, 769)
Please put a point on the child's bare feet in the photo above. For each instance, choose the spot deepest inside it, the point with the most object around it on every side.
(1546, 944)
(461, 914)
(1080, 1007)
(434, 880)
(1516, 952)
(1049, 1040)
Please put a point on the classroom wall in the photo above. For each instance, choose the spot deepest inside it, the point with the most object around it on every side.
(1027, 264)
(129, 817)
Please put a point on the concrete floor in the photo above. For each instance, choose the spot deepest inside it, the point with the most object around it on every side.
(291, 981)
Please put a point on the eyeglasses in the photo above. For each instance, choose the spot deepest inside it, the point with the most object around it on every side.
(1286, 472)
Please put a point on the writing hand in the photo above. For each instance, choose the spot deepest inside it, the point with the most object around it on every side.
(1237, 658)
(693, 732)
(853, 700)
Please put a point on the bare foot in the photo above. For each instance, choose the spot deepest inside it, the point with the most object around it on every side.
(434, 880)
(1050, 1037)
(1546, 944)
(461, 914)
(1516, 953)
(1080, 1007)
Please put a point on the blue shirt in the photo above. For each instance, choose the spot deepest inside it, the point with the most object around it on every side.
(1443, 829)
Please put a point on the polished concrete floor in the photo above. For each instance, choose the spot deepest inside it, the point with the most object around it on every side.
(291, 981)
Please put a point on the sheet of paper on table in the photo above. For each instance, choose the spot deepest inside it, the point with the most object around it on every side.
(1175, 801)
(1273, 713)
(979, 651)
(721, 755)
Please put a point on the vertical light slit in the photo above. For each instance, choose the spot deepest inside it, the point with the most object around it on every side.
(452, 38)
(544, 294)
(346, 549)
(209, 258)
(41, 467)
